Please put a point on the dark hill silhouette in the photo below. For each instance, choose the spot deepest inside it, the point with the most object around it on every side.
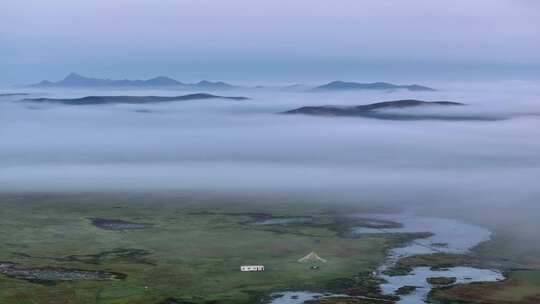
(344, 86)
(380, 110)
(99, 100)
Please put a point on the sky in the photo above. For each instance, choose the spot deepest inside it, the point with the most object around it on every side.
(270, 40)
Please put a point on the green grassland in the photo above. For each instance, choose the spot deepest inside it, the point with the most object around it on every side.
(192, 252)
(193, 248)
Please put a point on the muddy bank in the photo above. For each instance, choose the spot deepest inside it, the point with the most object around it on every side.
(116, 224)
(127, 255)
(174, 301)
(55, 275)
(361, 288)
(280, 221)
(304, 297)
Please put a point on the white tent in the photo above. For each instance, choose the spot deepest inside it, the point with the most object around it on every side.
(312, 257)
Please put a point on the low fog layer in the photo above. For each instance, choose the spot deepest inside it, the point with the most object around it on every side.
(245, 147)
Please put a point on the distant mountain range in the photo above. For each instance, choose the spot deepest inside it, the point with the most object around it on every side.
(380, 110)
(74, 80)
(345, 86)
(100, 100)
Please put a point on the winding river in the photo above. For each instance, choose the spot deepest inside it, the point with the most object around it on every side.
(448, 236)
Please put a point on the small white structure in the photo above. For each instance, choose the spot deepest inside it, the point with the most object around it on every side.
(312, 257)
(252, 268)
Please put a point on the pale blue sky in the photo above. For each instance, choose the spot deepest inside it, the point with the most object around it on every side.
(270, 40)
